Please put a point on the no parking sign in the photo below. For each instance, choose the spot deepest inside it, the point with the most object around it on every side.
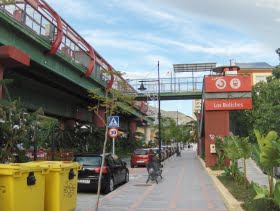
(113, 132)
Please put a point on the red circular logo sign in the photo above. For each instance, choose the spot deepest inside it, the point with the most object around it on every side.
(113, 132)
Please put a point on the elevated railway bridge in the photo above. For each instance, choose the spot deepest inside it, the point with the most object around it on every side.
(54, 67)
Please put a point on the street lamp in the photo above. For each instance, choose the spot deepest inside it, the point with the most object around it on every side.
(142, 88)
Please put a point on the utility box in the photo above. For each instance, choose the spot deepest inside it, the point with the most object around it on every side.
(212, 148)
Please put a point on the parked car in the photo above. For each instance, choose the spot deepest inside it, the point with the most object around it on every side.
(141, 157)
(165, 151)
(114, 172)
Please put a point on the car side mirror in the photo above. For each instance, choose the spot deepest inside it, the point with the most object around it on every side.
(124, 163)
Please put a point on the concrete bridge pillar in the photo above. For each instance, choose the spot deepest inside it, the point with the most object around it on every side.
(69, 123)
(132, 125)
(11, 57)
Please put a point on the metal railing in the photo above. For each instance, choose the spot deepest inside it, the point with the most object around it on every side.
(169, 85)
(39, 18)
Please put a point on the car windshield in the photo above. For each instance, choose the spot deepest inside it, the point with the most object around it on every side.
(141, 152)
(155, 151)
(89, 161)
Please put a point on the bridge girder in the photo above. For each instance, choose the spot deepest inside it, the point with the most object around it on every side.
(12, 33)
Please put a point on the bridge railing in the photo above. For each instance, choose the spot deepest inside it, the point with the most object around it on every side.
(39, 18)
(169, 85)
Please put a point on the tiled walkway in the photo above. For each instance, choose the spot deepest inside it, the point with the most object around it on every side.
(254, 173)
(185, 187)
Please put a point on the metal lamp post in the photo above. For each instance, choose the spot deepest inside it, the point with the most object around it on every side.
(142, 88)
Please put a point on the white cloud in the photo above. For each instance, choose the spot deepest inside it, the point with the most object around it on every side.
(153, 60)
(256, 17)
(151, 12)
(112, 39)
(80, 10)
(216, 48)
(271, 4)
(148, 43)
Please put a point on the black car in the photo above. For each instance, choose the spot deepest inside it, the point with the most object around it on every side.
(114, 172)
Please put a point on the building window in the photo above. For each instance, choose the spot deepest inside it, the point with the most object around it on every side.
(260, 78)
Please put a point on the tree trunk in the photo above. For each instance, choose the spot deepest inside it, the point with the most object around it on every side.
(102, 164)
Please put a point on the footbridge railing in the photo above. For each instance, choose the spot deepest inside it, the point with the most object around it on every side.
(169, 85)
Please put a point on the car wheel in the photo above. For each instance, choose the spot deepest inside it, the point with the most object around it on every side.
(110, 187)
(126, 179)
(111, 184)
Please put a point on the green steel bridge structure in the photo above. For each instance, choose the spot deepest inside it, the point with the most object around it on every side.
(64, 66)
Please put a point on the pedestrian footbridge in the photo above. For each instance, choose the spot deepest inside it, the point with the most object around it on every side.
(182, 88)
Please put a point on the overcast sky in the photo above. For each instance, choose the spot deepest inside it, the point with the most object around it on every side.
(132, 35)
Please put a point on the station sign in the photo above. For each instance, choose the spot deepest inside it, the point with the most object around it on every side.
(237, 83)
(228, 104)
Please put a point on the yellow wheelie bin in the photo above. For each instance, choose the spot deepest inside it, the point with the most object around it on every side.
(22, 188)
(61, 185)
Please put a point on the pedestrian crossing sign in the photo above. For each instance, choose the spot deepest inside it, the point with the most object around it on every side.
(113, 121)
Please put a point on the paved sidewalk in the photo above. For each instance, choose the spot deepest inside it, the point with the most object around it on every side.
(185, 186)
(254, 173)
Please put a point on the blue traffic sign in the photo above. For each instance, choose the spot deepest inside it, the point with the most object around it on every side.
(113, 121)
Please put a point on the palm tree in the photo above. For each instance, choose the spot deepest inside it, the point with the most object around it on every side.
(194, 132)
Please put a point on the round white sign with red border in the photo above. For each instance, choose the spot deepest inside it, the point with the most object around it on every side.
(113, 132)
(221, 83)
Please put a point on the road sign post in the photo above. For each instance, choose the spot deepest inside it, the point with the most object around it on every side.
(113, 133)
(113, 146)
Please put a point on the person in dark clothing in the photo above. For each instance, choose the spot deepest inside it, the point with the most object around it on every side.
(154, 170)
(178, 153)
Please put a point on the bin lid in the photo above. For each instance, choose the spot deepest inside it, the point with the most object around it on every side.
(18, 168)
(57, 165)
